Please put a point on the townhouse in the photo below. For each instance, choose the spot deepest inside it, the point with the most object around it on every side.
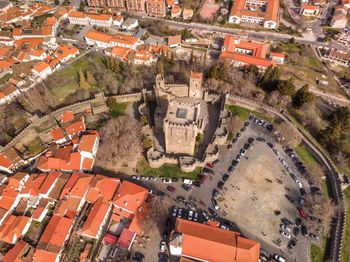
(156, 7)
(262, 12)
(310, 10)
(13, 228)
(338, 57)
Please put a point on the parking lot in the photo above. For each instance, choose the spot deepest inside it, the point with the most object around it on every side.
(260, 192)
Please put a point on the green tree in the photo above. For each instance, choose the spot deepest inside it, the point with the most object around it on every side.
(90, 78)
(286, 87)
(57, 2)
(303, 96)
(270, 79)
(81, 80)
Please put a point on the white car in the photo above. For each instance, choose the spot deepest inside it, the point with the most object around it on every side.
(279, 258)
(284, 227)
(162, 246)
(188, 181)
(285, 234)
(195, 217)
(190, 215)
(174, 213)
(166, 181)
(299, 184)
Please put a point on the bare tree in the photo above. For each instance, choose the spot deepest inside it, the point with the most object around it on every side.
(121, 143)
(290, 134)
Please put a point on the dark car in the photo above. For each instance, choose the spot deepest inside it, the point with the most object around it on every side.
(186, 187)
(250, 140)
(231, 169)
(314, 189)
(212, 211)
(246, 123)
(251, 117)
(138, 256)
(243, 129)
(220, 185)
(216, 161)
(225, 177)
(234, 140)
(286, 221)
(180, 198)
(229, 146)
(215, 193)
(246, 146)
(234, 162)
(302, 191)
(207, 170)
(292, 243)
(197, 183)
(269, 144)
(304, 230)
(298, 221)
(171, 189)
(261, 139)
(289, 198)
(296, 231)
(238, 134)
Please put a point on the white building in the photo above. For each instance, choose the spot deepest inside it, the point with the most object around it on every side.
(81, 18)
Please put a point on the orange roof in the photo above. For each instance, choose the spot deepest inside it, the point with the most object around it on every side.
(88, 163)
(87, 142)
(67, 116)
(120, 52)
(310, 7)
(56, 231)
(6, 201)
(136, 224)
(33, 184)
(130, 196)
(95, 35)
(204, 242)
(271, 13)
(65, 50)
(37, 52)
(95, 219)
(75, 127)
(12, 228)
(102, 187)
(176, 9)
(196, 75)
(277, 54)
(15, 253)
(37, 213)
(57, 134)
(78, 14)
(68, 207)
(44, 256)
(4, 161)
(174, 40)
(246, 59)
(124, 39)
(41, 66)
(77, 185)
(7, 63)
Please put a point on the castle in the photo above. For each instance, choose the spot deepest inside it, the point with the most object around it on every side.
(187, 123)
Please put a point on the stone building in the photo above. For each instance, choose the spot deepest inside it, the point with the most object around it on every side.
(187, 123)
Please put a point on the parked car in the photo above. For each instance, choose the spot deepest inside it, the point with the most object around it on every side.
(195, 217)
(246, 146)
(285, 234)
(138, 257)
(242, 152)
(215, 204)
(166, 181)
(298, 183)
(197, 183)
(260, 139)
(304, 230)
(212, 212)
(179, 213)
(302, 212)
(162, 246)
(220, 185)
(290, 199)
(225, 177)
(229, 146)
(210, 165)
(292, 243)
(171, 189)
(216, 161)
(190, 215)
(205, 215)
(215, 193)
(180, 198)
(284, 227)
(207, 170)
(279, 258)
(250, 140)
(174, 212)
(296, 231)
(286, 221)
(186, 187)
(298, 221)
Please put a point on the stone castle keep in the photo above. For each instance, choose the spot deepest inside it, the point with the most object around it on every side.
(187, 123)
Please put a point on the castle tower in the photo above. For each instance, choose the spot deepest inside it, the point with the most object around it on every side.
(160, 84)
(195, 89)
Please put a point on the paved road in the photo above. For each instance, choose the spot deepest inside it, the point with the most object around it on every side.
(223, 30)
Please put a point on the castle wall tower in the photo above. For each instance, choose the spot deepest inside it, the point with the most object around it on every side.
(160, 84)
(195, 89)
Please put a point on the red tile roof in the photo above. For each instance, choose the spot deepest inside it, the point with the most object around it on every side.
(44, 256)
(208, 243)
(12, 228)
(76, 127)
(15, 253)
(87, 142)
(56, 231)
(67, 116)
(57, 134)
(130, 196)
(5, 161)
(95, 219)
(102, 187)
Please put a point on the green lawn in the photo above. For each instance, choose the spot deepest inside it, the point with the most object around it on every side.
(35, 146)
(243, 113)
(116, 109)
(167, 170)
(4, 79)
(317, 252)
(305, 155)
(345, 255)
